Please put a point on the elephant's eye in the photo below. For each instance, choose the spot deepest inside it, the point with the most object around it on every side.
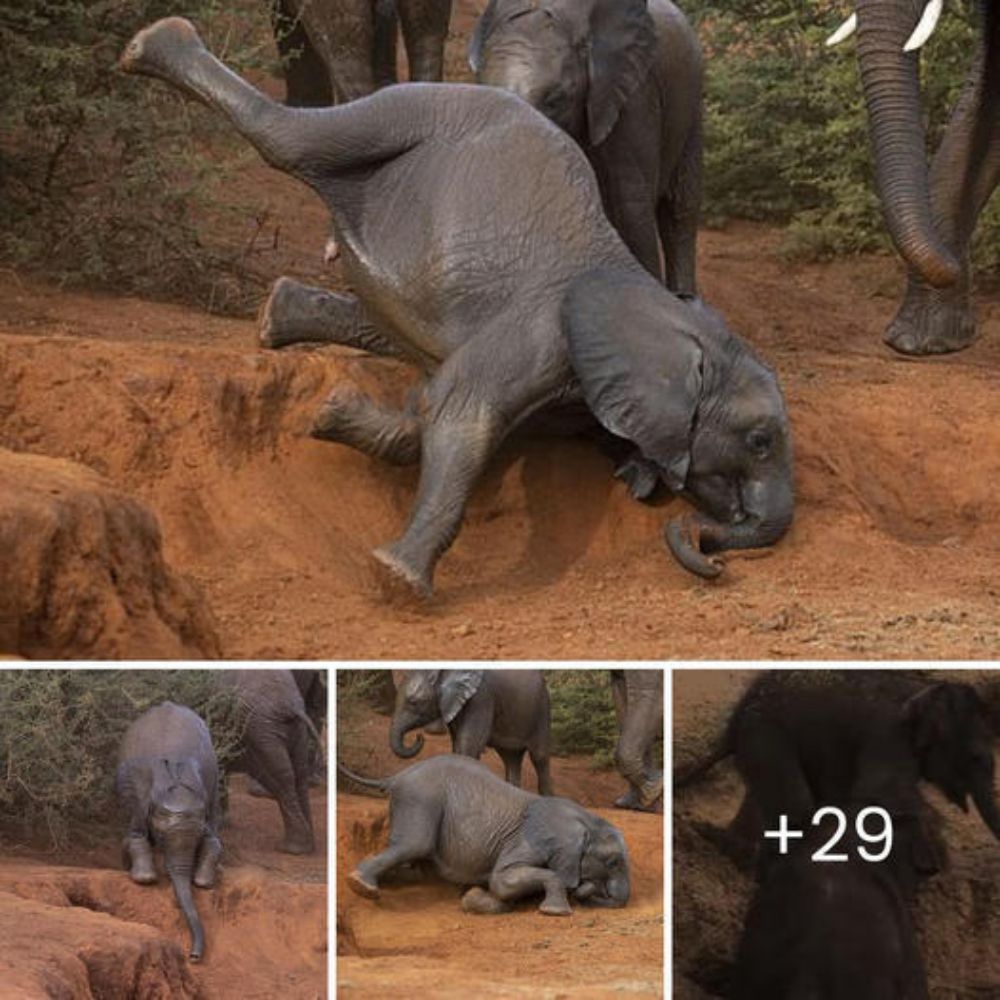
(760, 441)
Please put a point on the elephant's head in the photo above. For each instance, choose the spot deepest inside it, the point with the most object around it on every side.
(604, 869)
(576, 61)
(887, 38)
(177, 821)
(669, 377)
(949, 730)
(426, 695)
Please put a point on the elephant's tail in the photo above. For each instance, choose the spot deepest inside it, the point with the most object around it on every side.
(382, 784)
(688, 774)
(312, 730)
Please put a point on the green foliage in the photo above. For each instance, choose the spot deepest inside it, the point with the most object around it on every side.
(59, 736)
(105, 178)
(583, 714)
(786, 129)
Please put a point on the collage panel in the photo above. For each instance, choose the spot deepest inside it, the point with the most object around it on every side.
(163, 834)
(466, 883)
(835, 834)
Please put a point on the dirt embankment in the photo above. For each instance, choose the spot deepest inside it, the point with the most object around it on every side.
(415, 939)
(81, 928)
(958, 913)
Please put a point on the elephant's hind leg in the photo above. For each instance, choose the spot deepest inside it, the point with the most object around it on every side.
(412, 837)
(512, 765)
(351, 417)
(540, 759)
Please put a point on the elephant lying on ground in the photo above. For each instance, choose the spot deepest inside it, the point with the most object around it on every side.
(504, 709)
(168, 785)
(836, 931)
(480, 831)
(624, 79)
(803, 740)
(275, 747)
(516, 299)
(339, 50)
(638, 698)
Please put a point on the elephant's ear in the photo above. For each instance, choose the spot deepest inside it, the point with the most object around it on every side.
(457, 687)
(477, 43)
(933, 716)
(566, 859)
(621, 50)
(632, 346)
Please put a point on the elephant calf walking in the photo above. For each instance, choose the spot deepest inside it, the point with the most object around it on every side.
(480, 831)
(168, 785)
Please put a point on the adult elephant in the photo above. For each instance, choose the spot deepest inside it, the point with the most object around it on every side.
(930, 216)
(638, 696)
(335, 51)
(505, 843)
(858, 739)
(167, 783)
(516, 299)
(624, 79)
(504, 709)
(274, 749)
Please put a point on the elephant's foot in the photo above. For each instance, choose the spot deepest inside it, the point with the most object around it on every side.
(357, 883)
(641, 476)
(398, 582)
(933, 321)
(648, 797)
(352, 418)
(300, 843)
(204, 873)
(553, 906)
(257, 790)
(478, 900)
(295, 313)
(138, 856)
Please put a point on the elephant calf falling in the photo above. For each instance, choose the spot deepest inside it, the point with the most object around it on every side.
(480, 831)
(515, 298)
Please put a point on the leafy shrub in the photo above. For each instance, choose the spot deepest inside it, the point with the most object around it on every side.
(786, 129)
(104, 179)
(60, 731)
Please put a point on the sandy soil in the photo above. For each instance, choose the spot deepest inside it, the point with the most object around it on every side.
(77, 926)
(958, 915)
(894, 552)
(416, 940)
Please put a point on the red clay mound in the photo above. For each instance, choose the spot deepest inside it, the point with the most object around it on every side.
(82, 572)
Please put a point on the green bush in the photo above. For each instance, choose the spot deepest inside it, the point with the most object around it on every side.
(59, 736)
(104, 178)
(786, 129)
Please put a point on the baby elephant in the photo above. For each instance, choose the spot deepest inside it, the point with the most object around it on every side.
(168, 784)
(481, 831)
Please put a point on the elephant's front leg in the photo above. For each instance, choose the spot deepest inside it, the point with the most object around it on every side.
(208, 857)
(138, 856)
(519, 881)
(964, 173)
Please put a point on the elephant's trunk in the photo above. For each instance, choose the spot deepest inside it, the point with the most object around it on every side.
(180, 878)
(400, 727)
(615, 894)
(889, 78)
(768, 508)
(986, 804)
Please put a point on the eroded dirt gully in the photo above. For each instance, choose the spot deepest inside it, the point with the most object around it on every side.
(958, 914)
(416, 940)
(76, 926)
(894, 552)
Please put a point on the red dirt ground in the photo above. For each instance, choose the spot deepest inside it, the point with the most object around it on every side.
(77, 926)
(415, 940)
(894, 552)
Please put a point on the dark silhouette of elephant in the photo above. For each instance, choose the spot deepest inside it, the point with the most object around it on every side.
(507, 710)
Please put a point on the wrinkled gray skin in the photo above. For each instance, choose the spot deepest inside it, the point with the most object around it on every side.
(638, 696)
(624, 79)
(867, 739)
(275, 747)
(505, 843)
(504, 709)
(336, 51)
(515, 299)
(168, 787)
(930, 215)
(833, 931)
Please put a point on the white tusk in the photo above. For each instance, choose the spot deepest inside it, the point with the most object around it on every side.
(844, 31)
(925, 26)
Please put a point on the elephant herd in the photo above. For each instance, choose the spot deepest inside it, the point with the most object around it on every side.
(169, 788)
(856, 741)
(487, 834)
(528, 244)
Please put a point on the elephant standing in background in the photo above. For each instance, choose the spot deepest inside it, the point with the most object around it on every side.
(504, 709)
(930, 216)
(168, 785)
(624, 79)
(275, 747)
(638, 696)
(538, 309)
(336, 51)
(481, 831)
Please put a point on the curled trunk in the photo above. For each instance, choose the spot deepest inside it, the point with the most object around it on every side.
(400, 727)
